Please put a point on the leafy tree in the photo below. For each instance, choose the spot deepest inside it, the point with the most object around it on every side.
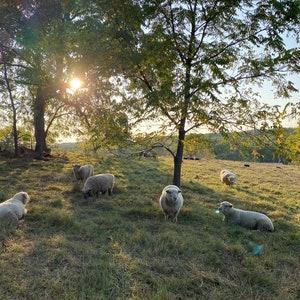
(98, 113)
(191, 62)
(105, 125)
(6, 55)
(197, 145)
(43, 42)
(41, 33)
(270, 142)
(293, 145)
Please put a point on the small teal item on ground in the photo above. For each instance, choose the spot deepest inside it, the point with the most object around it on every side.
(256, 250)
(217, 211)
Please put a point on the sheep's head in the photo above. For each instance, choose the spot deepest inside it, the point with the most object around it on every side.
(23, 197)
(87, 194)
(76, 167)
(225, 207)
(172, 196)
(231, 179)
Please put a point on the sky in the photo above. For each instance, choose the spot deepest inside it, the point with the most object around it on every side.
(268, 97)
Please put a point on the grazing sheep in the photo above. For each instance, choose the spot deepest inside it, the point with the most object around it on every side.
(83, 172)
(96, 184)
(171, 201)
(247, 219)
(227, 177)
(13, 209)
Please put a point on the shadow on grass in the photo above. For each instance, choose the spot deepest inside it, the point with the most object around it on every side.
(120, 246)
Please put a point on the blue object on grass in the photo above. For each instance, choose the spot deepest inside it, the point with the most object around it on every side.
(256, 250)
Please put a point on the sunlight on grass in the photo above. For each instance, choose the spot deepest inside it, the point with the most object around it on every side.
(120, 246)
(57, 240)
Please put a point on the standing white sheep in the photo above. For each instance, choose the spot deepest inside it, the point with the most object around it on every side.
(171, 201)
(245, 218)
(100, 183)
(227, 177)
(82, 172)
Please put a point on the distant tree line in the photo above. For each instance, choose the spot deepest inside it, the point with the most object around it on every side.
(280, 145)
(283, 149)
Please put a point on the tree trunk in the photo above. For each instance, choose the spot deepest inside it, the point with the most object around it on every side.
(181, 130)
(39, 123)
(8, 87)
(16, 138)
(179, 155)
(15, 129)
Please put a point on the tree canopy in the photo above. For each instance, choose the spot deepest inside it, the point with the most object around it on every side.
(188, 64)
(194, 62)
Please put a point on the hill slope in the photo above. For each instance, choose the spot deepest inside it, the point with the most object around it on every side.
(120, 247)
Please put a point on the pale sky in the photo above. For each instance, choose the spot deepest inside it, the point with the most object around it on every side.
(267, 91)
(268, 97)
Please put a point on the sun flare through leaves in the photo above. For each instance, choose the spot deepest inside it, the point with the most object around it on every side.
(75, 83)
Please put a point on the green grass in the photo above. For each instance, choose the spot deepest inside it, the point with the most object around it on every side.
(120, 247)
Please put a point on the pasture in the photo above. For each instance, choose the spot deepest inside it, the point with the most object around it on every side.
(120, 247)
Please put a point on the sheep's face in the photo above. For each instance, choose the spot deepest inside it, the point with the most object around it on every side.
(225, 207)
(172, 196)
(23, 197)
(222, 172)
(76, 168)
(231, 179)
(87, 194)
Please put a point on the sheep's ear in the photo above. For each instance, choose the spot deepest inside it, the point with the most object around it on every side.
(179, 191)
(168, 191)
(24, 198)
(230, 205)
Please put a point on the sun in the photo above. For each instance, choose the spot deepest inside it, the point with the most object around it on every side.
(75, 83)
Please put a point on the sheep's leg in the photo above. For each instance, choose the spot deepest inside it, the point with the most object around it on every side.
(23, 215)
(175, 217)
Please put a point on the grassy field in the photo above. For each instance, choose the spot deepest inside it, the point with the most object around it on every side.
(120, 247)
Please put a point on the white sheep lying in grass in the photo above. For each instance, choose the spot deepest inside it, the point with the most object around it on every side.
(82, 172)
(98, 184)
(247, 219)
(13, 209)
(171, 201)
(227, 177)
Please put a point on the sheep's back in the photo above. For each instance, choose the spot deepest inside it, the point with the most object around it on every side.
(224, 177)
(99, 182)
(12, 207)
(83, 172)
(86, 171)
(248, 219)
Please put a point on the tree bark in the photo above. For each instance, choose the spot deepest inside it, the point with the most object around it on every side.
(8, 87)
(179, 155)
(39, 123)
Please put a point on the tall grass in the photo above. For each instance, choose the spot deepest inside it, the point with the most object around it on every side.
(120, 247)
